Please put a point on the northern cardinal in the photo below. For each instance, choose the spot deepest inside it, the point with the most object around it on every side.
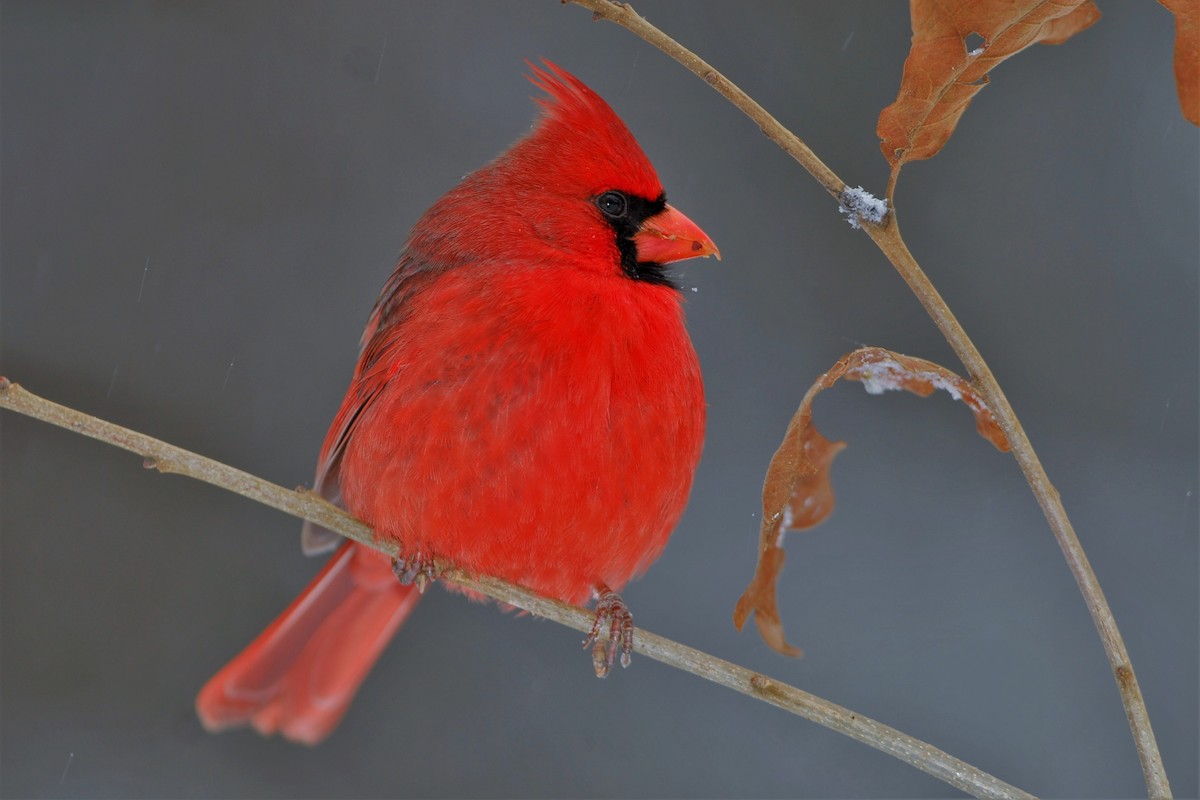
(526, 405)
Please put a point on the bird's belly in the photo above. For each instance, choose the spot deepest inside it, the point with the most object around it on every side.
(549, 470)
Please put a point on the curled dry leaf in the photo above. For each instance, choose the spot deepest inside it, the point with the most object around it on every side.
(954, 46)
(798, 493)
(1187, 55)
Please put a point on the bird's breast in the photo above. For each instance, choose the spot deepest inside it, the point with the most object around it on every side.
(537, 425)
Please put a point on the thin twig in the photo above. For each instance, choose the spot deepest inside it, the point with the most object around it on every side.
(624, 15)
(305, 505)
(889, 240)
(887, 237)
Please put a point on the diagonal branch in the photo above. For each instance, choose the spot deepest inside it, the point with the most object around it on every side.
(305, 505)
(887, 236)
(624, 15)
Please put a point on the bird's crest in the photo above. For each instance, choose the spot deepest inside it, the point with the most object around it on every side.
(576, 117)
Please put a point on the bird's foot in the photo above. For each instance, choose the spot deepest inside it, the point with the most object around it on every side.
(419, 569)
(611, 614)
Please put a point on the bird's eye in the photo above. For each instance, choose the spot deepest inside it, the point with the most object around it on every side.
(614, 204)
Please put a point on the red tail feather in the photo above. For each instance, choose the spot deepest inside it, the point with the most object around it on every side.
(299, 676)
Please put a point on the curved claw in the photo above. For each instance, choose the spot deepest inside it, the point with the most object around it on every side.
(613, 614)
(420, 569)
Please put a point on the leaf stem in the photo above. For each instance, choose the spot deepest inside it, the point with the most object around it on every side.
(305, 505)
(887, 236)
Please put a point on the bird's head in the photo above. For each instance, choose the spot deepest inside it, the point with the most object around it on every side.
(577, 187)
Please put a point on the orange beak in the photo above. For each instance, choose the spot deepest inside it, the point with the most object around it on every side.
(670, 236)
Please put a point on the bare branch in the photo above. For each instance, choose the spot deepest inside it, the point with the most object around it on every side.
(305, 505)
(624, 15)
(887, 236)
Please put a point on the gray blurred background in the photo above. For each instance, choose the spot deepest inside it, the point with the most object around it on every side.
(200, 202)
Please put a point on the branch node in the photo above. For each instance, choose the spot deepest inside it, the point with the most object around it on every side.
(765, 687)
(861, 206)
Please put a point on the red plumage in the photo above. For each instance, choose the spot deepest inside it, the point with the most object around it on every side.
(527, 404)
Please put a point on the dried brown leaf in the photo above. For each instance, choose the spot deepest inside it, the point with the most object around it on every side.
(1187, 55)
(942, 73)
(798, 493)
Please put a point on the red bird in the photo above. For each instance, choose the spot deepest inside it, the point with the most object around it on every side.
(527, 405)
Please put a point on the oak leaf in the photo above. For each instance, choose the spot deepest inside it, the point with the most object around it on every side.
(954, 47)
(1187, 55)
(798, 493)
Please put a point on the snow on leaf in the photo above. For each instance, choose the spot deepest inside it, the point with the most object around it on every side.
(942, 73)
(1187, 55)
(798, 492)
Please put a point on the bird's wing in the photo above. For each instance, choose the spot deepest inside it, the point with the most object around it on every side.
(370, 377)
